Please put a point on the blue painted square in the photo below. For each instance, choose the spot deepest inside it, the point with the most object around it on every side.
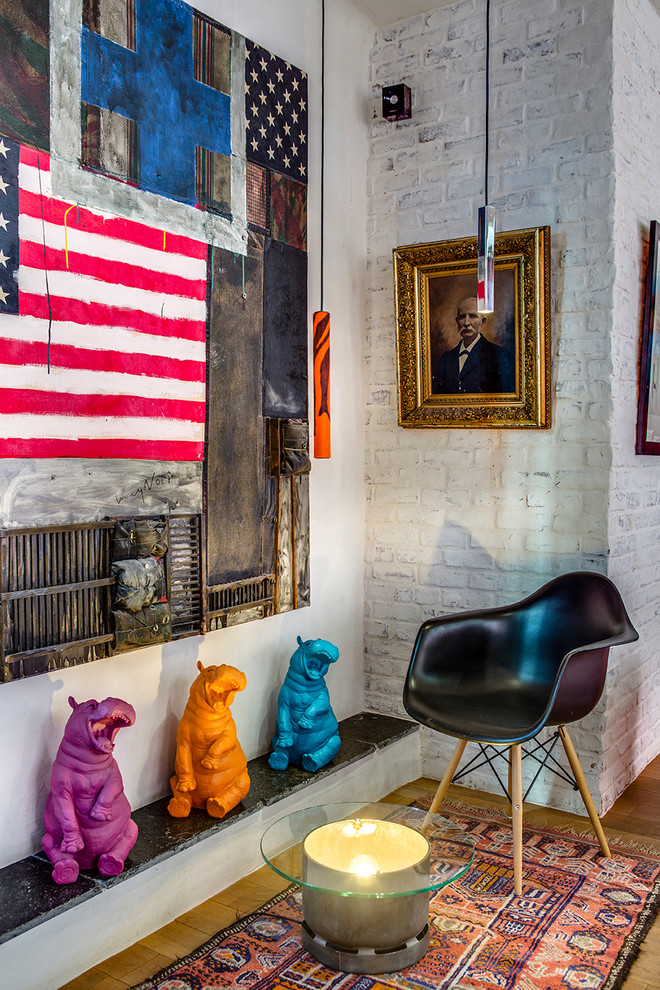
(155, 86)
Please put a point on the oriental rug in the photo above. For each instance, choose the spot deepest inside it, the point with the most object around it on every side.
(577, 926)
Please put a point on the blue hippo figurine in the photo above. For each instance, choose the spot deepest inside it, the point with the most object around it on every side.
(306, 733)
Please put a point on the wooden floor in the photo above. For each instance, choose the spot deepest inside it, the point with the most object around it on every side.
(636, 816)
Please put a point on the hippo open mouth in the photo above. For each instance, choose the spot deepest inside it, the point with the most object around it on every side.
(314, 658)
(219, 686)
(317, 665)
(218, 699)
(104, 730)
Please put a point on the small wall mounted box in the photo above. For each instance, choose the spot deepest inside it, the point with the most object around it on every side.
(397, 102)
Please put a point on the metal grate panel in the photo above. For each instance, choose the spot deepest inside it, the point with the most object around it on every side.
(185, 575)
(54, 597)
(227, 599)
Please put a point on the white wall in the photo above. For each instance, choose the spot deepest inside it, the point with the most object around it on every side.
(631, 736)
(68, 944)
(156, 680)
(470, 518)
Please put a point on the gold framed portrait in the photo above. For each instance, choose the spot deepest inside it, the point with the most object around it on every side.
(457, 367)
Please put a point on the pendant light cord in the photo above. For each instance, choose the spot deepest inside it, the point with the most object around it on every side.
(322, 137)
(487, 100)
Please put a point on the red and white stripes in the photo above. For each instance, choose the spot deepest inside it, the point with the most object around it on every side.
(125, 372)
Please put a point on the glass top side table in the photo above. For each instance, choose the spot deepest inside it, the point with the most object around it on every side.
(366, 872)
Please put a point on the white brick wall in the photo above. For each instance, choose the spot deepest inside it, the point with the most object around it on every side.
(467, 518)
(632, 727)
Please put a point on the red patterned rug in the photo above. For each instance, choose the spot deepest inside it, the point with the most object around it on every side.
(578, 925)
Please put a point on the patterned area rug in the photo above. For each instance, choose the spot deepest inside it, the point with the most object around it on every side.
(577, 926)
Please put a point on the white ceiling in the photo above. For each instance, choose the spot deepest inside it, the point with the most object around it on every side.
(383, 12)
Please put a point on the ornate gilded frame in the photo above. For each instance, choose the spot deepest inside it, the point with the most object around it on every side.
(429, 280)
(648, 403)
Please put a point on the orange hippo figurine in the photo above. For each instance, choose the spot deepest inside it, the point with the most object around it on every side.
(210, 769)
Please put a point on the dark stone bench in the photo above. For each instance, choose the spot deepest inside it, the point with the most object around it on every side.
(29, 896)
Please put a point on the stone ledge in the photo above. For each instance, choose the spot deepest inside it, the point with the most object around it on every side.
(28, 895)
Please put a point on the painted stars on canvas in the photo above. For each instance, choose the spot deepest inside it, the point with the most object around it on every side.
(275, 113)
(8, 227)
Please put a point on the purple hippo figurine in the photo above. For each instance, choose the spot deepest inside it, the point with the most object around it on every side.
(88, 817)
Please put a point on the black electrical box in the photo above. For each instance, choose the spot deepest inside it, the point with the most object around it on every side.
(397, 102)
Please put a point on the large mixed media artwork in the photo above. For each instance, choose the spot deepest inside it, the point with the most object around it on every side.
(153, 311)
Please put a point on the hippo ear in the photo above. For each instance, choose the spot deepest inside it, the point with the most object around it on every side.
(72, 702)
(300, 642)
(200, 666)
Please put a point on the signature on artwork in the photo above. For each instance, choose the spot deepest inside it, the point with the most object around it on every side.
(155, 481)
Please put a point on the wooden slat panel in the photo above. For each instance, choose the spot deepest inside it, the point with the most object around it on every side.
(54, 586)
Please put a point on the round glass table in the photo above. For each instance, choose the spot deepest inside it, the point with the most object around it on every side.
(366, 873)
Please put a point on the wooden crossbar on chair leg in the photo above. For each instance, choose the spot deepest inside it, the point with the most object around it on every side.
(580, 780)
(444, 783)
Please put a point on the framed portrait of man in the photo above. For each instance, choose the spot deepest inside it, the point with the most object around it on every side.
(461, 367)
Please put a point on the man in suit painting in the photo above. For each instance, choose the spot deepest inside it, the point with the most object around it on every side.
(476, 364)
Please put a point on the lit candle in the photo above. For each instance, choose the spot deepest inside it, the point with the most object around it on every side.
(345, 855)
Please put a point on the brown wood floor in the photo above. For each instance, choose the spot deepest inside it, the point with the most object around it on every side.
(636, 816)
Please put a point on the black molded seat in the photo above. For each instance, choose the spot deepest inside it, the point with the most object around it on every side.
(499, 675)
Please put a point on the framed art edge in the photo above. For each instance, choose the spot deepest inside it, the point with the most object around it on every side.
(642, 444)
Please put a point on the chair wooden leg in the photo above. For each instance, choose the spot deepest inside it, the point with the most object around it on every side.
(516, 815)
(580, 780)
(444, 783)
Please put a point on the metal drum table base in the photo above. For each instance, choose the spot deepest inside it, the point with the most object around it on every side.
(357, 934)
(349, 959)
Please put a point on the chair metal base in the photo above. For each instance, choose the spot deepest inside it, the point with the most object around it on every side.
(514, 790)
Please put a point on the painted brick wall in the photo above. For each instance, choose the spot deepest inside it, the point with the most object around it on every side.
(467, 518)
(632, 729)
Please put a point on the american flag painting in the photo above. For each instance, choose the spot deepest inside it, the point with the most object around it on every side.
(102, 327)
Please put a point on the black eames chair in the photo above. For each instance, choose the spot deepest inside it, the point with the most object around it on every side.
(497, 676)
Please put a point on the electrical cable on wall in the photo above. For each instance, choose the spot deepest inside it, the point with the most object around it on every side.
(486, 220)
(487, 140)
